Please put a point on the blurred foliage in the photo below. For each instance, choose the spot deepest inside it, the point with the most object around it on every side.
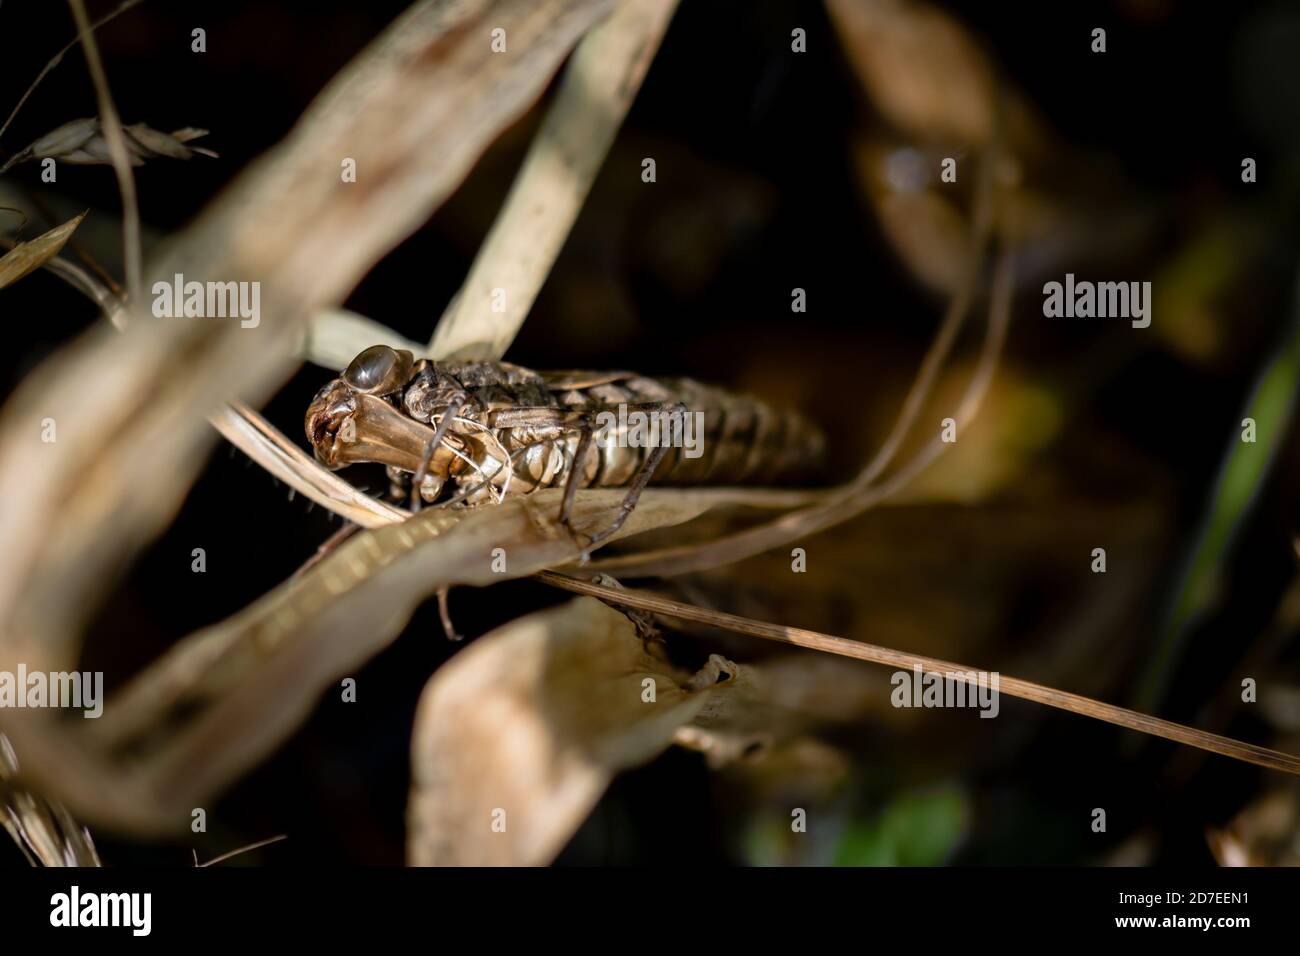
(1245, 467)
(916, 828)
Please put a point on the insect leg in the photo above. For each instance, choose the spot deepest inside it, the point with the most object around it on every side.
(571, 487)
(583, 422)
(570, 420)
(643, 621)
(453, 409)
(329, 545)
(635, 487)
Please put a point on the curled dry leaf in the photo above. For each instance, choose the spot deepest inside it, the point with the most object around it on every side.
(149, 143)
(81, 143)
(517, 737)
(228, 695)
(30, 256)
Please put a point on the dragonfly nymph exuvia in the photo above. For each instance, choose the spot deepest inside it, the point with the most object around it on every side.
(473, 432)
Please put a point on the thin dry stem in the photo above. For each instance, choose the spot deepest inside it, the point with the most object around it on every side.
(58, 58)
(243, 849)
(851, 499)
(843, 503)
(874, 653)
(115, 137)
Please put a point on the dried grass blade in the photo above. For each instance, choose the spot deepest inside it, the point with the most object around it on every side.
(118, 152)
(27, 257)
(599, 85)
(265, 444)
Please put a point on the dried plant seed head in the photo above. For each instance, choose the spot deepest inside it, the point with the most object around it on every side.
(67, 139)
(81, 143)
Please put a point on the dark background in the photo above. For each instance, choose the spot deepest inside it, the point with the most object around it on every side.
(756, 195)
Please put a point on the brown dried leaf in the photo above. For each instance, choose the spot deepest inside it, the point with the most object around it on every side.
(517, 737)
(776, 701)
(929, 76)
(30, 256)
(1265, 832)
(929, 234)
(245, 684)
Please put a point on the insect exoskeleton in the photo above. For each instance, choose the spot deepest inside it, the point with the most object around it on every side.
(353, 419)
(477, 431)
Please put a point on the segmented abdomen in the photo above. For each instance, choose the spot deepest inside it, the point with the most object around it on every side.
(739, 440)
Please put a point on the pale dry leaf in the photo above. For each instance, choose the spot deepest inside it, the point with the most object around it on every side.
(517, 737)
(245, 684)
(336, 336)
(68, 138)
(599, 84)
(30, 256)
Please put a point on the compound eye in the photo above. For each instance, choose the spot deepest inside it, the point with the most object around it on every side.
(379, 370)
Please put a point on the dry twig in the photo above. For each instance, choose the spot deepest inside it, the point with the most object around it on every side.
(1026, 690)
(118, 151)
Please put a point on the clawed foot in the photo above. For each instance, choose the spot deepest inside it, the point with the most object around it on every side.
(581, 540)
